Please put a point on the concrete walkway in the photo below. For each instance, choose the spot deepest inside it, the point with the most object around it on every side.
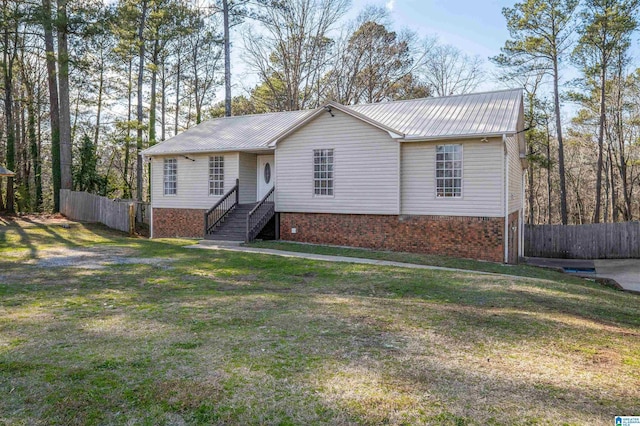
(625, 272)
(237, 247)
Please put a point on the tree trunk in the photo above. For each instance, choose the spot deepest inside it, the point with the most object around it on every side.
(549, 187)
(614, 191)
(96, 133)
(601, 124)
(163, 100)
(54, 112)
(8, 114)
(561, 169)
(531, 183)
(227, 61)
(33, 145)
(178, 77)
(127, 145)
(22, 151)
(139, 168)
(63, 90)
(152, 101)
(39, 198)
(196, 83)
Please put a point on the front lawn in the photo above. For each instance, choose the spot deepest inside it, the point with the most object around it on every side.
(420, 259)
(97, 328)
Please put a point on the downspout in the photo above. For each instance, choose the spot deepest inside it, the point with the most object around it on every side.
(150, 199)
(399, 178)
(506, 199)
(521, 221)
(275, 191)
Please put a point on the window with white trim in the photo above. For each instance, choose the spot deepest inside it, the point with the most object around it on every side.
(323, 172)
(449, 171)
(170, 176)
(216, 175)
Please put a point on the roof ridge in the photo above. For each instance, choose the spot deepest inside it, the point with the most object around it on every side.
(256, 114)
(431, 98)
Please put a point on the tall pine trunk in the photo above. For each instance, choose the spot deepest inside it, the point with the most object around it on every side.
(549, 183)
(227, 60)
(163, 100)
(54, 111)
(178, 79)
(561, 168)
(34, 153)
(8, 114)
(613, 188)
(63, 90)
(601, 124)
(96, 133)
(139, 166)
(127, 143)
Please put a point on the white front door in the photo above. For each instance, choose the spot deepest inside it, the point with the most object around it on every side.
(266, 173)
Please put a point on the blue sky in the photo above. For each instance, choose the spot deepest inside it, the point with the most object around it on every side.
(475, 26)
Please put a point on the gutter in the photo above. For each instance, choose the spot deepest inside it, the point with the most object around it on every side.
(467, 136)
(260, 150)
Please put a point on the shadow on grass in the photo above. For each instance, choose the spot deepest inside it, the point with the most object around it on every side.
(294, 328)
(290, 346)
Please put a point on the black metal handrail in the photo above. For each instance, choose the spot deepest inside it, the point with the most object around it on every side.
(221, 209)
(260, 215)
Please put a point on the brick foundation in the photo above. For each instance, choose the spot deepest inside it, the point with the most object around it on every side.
(168, 223)
(465, 237)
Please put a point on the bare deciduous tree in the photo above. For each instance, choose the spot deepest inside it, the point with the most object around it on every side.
(449, 71)
(293, 50)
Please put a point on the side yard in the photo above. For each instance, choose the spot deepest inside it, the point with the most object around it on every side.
(97, 328)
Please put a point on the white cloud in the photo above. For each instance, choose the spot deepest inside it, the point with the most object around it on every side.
(390, 5)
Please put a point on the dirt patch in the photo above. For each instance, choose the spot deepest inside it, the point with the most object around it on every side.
(40, 219)
(92, 258)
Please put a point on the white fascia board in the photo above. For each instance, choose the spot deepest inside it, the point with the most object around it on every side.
(446, 137)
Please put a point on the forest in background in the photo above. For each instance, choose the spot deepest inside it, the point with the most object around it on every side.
(86, 85)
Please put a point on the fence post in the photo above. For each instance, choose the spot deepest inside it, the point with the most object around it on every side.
(132, 219)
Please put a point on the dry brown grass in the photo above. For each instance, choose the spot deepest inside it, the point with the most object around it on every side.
(231, 338)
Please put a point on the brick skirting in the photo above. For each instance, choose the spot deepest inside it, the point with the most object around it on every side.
(465, 237)
(169, 223)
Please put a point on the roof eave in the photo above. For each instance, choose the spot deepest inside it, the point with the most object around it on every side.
(461, 136)
(144, 154)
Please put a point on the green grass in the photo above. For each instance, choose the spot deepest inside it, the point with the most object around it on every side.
(184, 336)
(420, 259)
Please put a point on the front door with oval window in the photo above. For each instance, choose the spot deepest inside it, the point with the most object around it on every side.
(266, 174)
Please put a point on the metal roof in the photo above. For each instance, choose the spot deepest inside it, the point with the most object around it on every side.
(489, 113)
(239, 133)
(449, 116)
(6, 172)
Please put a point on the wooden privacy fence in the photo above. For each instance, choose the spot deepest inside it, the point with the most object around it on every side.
(594, 241)
(87, 207)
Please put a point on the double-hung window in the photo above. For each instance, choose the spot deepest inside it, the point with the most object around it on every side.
(449, 171)
(216, 175)
(170, 179)
(323, 172)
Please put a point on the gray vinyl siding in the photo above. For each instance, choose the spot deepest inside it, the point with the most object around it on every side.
(248, 177)
(515, 174)
(482, 184)
(365, 168)
(192, 181)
